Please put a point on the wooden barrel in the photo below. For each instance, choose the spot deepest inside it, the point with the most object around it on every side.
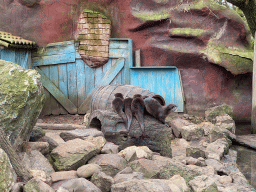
(104, 95)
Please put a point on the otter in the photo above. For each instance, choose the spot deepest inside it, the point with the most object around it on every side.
(128, 111)
(118, 107)
(154, 108)
(137, 107)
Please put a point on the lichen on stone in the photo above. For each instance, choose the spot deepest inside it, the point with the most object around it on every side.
(188, 32)
(152, 16)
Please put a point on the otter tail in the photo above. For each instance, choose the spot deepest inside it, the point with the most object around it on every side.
(128, 111)
(137, 108)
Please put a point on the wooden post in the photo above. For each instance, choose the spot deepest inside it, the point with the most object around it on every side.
(253, 115)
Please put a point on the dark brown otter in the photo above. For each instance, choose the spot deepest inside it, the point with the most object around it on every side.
(137, 107)
(118, 107)
(154, 108)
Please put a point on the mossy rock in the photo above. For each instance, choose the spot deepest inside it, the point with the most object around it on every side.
(212, 113)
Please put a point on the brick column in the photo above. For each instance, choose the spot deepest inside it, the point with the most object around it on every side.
(93, 36)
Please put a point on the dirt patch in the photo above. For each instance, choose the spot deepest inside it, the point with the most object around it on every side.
(62, 119)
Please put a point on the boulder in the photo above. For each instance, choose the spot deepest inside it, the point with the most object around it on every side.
(134, 153)
(21, 100)
(63, 175)
(80, 184)
(36, 134)
(157, 136)
(226, 122)
(110, 148)
(195, 152)
(177, 124)
(36, 161)
(80, 133)
(217, 149)
(148, 167)
(212, 113)
(110, 164)
(7, 177)
(146, 185)
(204, 183)
(191, 132)
(37, 185)
(39, 174)
(52, 143)
(88, 170)
(102, 181)
(74, 153)
(42, 147)
(207, 127)
(127, 174)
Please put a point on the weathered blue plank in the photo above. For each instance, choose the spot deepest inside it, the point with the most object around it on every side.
(8, 55)
(89, 79)
(54, 77)
(81, 81)
(118, 44)
(117, 80)
(63, 83)
(48, 84)
(111, 74)
(54, 59)
(21, 58)
(98, 74)
(117, 53)
(47, 110)
(56, 49)
(72, 86)
(163, 81)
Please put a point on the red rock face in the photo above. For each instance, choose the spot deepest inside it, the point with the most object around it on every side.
(205, 83)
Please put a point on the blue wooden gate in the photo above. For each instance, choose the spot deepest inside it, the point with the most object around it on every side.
(69, 81)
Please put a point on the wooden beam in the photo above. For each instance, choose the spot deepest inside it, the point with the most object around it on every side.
(253, 115)
(106, 80)
(57, 94)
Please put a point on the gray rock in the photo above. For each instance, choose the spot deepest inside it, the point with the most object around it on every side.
(42, 147)
(146, 185)
(37, 185)
(212, 113)
(217, 165)
(88, 170)
(217, 149)
(21, 99)
(63, 175)
(102, 181)
(157, 135)
(110, 148)
(39, 174)
(36, 161)
(110, 164)
(80, 184)
(7, 177)
(127, 174)
(74, 153)
(148, 167)
(204, 183)
(36, 134)
(133, 153)
(195, 152)
(80, 133)
(191, 132)
(215, 134)
(52, 143)
(194, 161)
(177, 124)
(226, 122)
(18, 187)
(207, 127)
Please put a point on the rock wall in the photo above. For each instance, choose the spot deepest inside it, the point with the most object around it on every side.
(207, 42)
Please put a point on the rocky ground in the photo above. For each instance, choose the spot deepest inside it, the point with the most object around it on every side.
(82, 160)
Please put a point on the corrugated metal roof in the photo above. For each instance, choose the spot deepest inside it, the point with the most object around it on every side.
(9, 40)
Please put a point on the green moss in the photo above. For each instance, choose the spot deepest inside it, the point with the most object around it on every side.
(188, 32)
(152, 16)
(237, 61)
(206, 3)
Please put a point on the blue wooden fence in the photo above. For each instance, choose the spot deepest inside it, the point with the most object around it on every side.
(21, 57)
(69, 81)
